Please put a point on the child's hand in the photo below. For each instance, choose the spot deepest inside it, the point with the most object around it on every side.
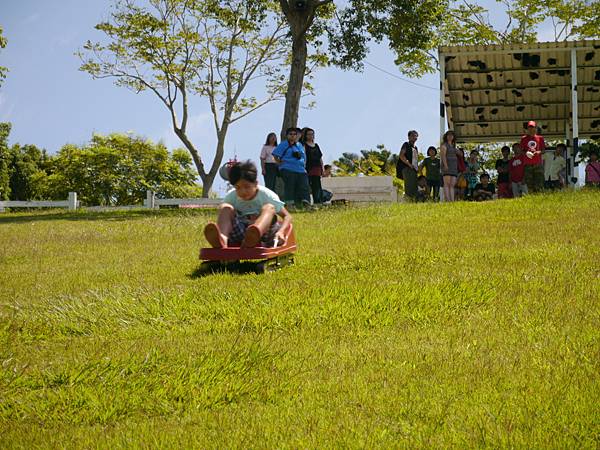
(280, 238)
(529, 154)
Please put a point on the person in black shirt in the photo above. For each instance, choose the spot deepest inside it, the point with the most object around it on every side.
(314, 164)
(408, 158)
(484, 190)
(504, 186)
(432, 173)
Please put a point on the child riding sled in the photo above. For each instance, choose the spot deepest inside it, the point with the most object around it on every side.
(248, 215)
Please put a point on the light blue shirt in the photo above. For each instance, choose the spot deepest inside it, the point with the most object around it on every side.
(253, 207)
(284, 151)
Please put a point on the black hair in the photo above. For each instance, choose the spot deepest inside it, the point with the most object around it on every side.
(474, 151)
(291, 129)
(506, 147)
(561, 145)
(327, 166)
(445, 137)
(412, 132)
(484, 175)
(431, 147)
(243, 171)
(269, 136)
(420, 177)
(594, 152)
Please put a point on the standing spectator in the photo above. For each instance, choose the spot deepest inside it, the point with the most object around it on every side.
(472, 172)
(516, 170)
(484, 190)
(502, 167)
(554, 164)
(270, 169)
(592, 170)
(314, 164)
(432, 173)
(409, 158)
(449, 160)
(292, 167)
(533, 145)
(461, 181)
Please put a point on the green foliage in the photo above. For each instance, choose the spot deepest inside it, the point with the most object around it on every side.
(400, 326)
(178, 48)
(3, 69)
(369, 162)
(587, 148)
(5, 161)
(118, 170)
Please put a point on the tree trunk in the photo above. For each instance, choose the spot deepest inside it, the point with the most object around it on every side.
(295, 83)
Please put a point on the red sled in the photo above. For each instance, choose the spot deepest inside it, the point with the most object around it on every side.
(263, 259)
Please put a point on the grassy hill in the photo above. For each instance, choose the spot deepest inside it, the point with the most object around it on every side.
(464, 325)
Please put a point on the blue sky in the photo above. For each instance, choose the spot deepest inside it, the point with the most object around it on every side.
(50, 102)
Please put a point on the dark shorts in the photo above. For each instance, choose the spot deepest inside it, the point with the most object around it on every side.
(241, 223)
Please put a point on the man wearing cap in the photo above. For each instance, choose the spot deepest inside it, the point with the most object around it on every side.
(533, 146)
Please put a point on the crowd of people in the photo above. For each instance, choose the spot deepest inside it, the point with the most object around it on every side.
(297, 163)
(524, 168)
(248, 215)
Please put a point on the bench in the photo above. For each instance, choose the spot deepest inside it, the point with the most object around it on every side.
(361, 189)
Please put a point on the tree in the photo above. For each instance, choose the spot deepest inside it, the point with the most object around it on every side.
(409, 26)
(118, 170)
(369, 162)
(27, 172)
(3, 69)
(5, 160)
(178, 48)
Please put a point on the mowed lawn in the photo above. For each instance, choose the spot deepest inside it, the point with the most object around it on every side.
(452, 325)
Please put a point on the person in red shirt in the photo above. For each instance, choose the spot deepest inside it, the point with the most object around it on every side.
(516, 170)
(533, 146)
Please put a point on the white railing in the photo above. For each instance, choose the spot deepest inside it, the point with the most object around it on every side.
(71, 203)
(151, 202)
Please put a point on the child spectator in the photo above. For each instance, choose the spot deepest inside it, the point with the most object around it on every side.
(533, 145)
(516, 168)
(422, 189)
(502, 167)
(484, 190)
(554, 164)
(461, 181)
(326, 170)
(247, 215)
(269, 167)
(471, 172)
(592, 171)
(432, 173)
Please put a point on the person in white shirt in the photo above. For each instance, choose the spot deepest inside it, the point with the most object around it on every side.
(269, 167)
(554, 164)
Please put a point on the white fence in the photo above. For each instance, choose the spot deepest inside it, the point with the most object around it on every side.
(71, 203)
(151, 202)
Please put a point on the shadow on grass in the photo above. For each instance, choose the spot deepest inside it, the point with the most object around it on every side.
(117, 215)
(234, 267)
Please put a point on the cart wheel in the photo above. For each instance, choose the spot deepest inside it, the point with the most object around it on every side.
(210, 266)
(260, 267)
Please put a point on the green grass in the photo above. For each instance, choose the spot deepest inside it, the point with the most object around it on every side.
(453, 325)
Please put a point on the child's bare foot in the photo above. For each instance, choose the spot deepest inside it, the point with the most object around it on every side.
(252, 236)
(213, 236)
